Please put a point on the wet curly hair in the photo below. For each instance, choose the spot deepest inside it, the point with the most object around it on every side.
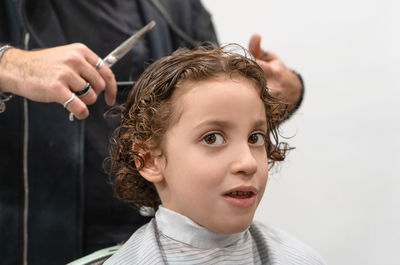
(148, 112)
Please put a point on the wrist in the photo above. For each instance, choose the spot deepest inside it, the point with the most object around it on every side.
(7, 69)
(4, 97)
(297, 104)
(3, 50)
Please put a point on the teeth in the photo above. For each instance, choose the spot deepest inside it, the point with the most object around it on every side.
(241, 193)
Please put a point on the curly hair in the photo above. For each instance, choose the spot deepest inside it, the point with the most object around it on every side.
(148, 113)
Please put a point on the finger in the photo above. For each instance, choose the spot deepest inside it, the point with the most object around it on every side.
(110, 85)
(77, 84)
(85, 66)
(91, 75)
(268, 72)
(74, 105)
(110, 91)
(78, 109)
(255, 46)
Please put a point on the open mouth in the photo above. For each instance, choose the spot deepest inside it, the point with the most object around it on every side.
(241, 198)
(241, 194)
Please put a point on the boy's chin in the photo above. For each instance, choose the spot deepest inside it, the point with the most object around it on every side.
(236, 223)
(230, 228)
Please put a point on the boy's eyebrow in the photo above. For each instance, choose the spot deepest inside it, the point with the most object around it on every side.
(227, 124)
(213, 122)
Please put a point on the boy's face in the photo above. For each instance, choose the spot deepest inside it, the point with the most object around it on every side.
(215, 166)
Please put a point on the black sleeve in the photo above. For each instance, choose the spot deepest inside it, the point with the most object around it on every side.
(10, 27)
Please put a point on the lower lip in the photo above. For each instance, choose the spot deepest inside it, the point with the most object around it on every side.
(241, 202)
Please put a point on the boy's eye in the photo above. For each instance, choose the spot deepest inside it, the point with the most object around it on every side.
(213, 139)
(257, 139)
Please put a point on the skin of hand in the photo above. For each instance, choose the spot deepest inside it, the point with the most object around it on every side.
(52, 74)
(282, 82)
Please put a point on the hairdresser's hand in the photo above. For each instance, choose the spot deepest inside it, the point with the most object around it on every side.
(51, 75)
(282, 82)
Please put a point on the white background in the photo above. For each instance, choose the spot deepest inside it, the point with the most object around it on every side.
(339, 191)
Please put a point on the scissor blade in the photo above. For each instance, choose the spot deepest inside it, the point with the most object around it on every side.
(125, 47)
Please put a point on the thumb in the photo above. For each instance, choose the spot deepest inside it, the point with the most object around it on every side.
(255, 46)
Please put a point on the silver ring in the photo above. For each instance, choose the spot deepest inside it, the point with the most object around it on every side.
(69, 100)
(84, 91)
(99, 64)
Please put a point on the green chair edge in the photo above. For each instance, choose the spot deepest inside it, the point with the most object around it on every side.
(100, 254)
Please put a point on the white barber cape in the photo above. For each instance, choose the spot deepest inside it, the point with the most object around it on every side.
(171, 238)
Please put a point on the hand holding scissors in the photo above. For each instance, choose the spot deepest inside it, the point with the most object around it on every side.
(71, 75)
(109, 61)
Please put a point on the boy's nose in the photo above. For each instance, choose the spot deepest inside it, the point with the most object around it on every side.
(244, 162)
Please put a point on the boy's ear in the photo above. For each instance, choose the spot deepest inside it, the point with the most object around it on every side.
(152, 168)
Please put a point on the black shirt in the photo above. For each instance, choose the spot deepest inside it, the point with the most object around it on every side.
(108, 23)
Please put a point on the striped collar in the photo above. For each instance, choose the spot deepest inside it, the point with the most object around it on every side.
(180, 228)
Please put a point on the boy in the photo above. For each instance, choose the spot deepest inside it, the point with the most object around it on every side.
(198, 132)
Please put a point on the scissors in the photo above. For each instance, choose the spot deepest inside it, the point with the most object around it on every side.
(127, 45)
(120, 52)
